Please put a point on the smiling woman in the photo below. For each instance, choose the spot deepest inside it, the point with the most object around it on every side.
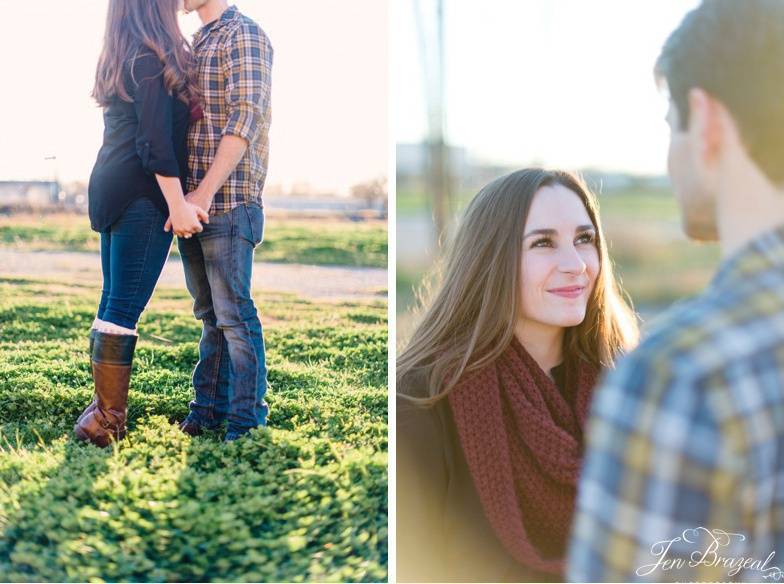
(495, 385)
(560, 264)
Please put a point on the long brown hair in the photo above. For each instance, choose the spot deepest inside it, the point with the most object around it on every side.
(132, 26)
(469, 320)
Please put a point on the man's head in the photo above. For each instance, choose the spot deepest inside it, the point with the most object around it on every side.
(723, 68)
(191, 5)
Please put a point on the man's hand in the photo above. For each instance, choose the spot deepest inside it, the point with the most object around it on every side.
(198, 200)
(186, 219)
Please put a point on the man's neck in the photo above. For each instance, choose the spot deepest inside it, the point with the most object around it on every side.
(748, 205)
(212, 10)
(543, 342)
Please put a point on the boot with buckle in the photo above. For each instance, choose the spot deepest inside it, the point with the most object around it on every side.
(104, 420)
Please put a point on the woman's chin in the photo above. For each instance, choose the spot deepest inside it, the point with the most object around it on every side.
(569, 317)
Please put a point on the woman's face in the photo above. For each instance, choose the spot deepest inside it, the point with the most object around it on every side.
(560, 260)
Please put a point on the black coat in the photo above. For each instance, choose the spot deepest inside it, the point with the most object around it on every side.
(142, 138)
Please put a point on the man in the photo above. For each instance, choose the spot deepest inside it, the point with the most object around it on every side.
(228, 153)
(684, 471)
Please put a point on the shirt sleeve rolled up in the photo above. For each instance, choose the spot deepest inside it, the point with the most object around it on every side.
(248, 71)
(154, 110)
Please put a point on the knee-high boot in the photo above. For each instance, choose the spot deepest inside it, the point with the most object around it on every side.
(112, 357)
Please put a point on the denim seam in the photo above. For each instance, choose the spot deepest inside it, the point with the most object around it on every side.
(213, 389)
(144, 265)
(255, 366)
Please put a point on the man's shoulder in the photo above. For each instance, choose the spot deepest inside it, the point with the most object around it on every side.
(707, 334)
(681, 327)
(667, 367)
(246, 27)
(689, 325)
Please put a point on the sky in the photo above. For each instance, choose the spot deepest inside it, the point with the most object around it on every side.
(564, 83)
(329, 96)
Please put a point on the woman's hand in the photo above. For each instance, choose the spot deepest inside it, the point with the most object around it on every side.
(186, 219)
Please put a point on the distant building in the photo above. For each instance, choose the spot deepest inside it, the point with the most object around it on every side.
(28, 194)
(469, 174)
(412, 160)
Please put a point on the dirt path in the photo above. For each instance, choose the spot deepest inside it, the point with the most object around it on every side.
(317, 282)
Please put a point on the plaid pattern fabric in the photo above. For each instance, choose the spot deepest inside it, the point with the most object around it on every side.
(686, 440)
(235, 65)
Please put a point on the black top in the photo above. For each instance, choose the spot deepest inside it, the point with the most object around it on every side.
(140, 139)
(558, 374)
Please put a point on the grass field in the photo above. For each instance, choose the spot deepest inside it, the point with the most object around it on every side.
(303, 500)
(655, 262)
(325, 241)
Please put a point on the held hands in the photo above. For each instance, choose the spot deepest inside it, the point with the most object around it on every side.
(186, 219)
(199, 199)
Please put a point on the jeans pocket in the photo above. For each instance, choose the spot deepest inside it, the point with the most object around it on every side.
(253, 228)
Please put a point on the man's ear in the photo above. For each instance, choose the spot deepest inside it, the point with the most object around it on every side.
(706, 125)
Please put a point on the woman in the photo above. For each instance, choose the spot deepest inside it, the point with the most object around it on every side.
(495, 384)
(146, 84)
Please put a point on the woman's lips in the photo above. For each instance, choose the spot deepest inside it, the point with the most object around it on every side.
(568, 292)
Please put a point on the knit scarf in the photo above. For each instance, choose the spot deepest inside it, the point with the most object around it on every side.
(522, 440)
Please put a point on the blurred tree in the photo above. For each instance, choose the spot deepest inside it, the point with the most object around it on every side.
(374, 193)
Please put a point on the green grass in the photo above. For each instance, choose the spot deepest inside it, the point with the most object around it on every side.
(302, 500)
(656, 204)
(305, 241)
(640, 205)
(414, 203)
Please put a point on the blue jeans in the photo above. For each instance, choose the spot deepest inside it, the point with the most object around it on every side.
(133, 253)
(230, 379)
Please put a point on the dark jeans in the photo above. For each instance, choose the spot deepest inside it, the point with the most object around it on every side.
(133, 253)
(230, 379)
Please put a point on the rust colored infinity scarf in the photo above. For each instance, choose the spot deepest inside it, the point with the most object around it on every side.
(522, 440)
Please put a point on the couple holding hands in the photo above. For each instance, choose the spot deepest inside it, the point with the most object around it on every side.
(185, 150)
(538, 437)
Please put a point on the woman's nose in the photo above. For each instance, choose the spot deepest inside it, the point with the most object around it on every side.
(570, 261)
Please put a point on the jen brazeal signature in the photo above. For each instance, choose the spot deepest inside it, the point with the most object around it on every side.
(711, 549)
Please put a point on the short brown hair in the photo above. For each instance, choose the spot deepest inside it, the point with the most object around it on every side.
(734, 50)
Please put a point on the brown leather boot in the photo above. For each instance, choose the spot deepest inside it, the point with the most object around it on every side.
(94, 403)
(111, 362)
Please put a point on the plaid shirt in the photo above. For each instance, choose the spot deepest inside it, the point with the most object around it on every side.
(686, 440)
(235, 65)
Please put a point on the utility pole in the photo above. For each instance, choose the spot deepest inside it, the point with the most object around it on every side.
(438, 177)
(54, 191)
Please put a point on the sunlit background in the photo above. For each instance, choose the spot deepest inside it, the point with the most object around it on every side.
(559, 83)
(326, 193)
(329, 129)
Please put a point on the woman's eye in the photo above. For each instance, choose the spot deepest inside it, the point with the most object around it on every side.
(545, 242)
(586, 238)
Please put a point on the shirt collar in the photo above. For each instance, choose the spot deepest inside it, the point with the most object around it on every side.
(230, 14)
(764, 252)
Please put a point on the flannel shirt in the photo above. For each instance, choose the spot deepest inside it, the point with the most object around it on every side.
(683, 477)
(235, 64)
